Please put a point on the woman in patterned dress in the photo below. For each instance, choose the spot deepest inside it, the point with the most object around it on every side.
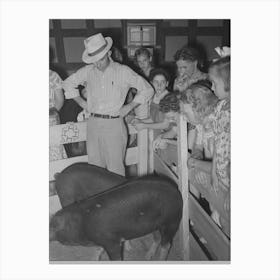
(219, 73)
(56, 100)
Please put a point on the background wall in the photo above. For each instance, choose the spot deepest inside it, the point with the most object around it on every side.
(66, 38)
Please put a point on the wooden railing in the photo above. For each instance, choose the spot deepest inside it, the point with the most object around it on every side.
(213, 242)
(76, 132)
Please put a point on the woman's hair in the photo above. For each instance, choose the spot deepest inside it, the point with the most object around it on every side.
(170, 102)
(203, 101)
(159, 71)
(142, 51)
(187, 53)
(117, 55)
(222, 68)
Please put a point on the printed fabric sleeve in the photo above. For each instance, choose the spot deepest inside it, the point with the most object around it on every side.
(55, 81)
(72, 82)
(144, 90)
(222, 144)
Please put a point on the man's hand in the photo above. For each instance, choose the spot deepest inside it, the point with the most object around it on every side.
(191, 162)
(125, 109)
(159, 143)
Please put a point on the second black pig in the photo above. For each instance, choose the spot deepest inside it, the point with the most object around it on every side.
(130, 210)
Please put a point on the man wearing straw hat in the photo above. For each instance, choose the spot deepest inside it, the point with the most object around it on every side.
(107, 83)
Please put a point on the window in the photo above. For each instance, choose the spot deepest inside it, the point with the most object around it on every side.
(140, 35)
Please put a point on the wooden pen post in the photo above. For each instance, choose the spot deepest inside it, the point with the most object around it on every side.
(182, 144)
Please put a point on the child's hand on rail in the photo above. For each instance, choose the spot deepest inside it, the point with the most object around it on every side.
(139, 126)
(159, 143)
(201, 178)
(197, 154)
(215, 182)
(227, 203)
(135, 121)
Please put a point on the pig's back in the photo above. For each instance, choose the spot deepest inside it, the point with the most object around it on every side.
(82, 180)
(134, 208)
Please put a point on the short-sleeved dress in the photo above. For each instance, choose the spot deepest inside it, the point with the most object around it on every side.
(205, 137)
(155, 114)
(56, 152)
(222, 142)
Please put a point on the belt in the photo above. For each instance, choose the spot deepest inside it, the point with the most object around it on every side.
(104, 116)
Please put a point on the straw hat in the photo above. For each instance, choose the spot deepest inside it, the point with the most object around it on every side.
(96, 47)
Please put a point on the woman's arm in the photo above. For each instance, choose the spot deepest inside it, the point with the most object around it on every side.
(81, 102)
(58, 98)
(143, 125)
(170, 134)
(203, 165)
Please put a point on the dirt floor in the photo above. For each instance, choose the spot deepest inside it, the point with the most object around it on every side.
(136, 252)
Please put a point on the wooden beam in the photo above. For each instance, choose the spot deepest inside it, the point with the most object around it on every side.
(74, 32)
(58, 165)
(192, 31)
(142, 143)
(184, 233)
(59, 41)
(226, 37)
(176, 31)
(209, 31)
(217, 243)
(161, 168)
(67, 133)
(150, 151)
(90, 27)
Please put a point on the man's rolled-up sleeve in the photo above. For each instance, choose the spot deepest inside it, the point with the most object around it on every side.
(72, 82)
(144, 90)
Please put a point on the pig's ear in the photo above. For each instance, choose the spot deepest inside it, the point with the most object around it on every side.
(56, 175)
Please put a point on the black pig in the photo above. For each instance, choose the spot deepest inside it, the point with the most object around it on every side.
(130, 210)
(82, 180)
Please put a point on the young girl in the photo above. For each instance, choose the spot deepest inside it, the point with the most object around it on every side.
(187, 67)
(143, 60)
(157, 120)
(187, 60)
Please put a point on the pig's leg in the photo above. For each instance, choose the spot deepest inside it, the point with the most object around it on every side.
(152, 251)
(114, 250)
(163, 251)
(167, 234)
(99, 251)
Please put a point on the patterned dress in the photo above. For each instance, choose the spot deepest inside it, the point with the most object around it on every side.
(56, 152)
(222, 142)
(205, 137)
